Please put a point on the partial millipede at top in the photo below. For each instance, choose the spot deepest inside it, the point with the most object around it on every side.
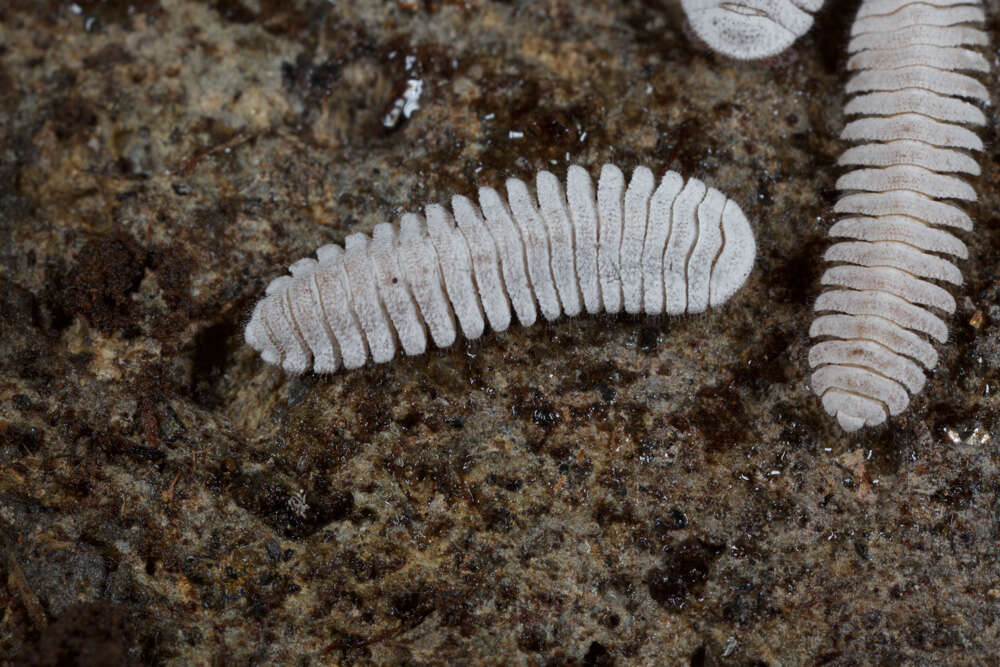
(750, 29)
(669, 247)
(885, 301)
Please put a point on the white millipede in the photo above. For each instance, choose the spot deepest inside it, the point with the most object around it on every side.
(750, 29)
(669, 247)
(885, 303)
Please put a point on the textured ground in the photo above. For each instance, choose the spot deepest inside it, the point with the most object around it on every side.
(600, 490)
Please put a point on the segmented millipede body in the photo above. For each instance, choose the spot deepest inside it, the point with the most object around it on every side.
(915, 103)
(668, 247)
(750, 29)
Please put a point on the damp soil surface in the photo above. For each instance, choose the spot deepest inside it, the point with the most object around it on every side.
(593, 491)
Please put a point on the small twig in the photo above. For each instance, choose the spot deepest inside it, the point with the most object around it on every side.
(359, 642)
(168, 495)
(237, 139)
(16, 580)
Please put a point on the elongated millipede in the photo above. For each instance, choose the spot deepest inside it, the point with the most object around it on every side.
(750, 29)
(885, 302)
(672, 247)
